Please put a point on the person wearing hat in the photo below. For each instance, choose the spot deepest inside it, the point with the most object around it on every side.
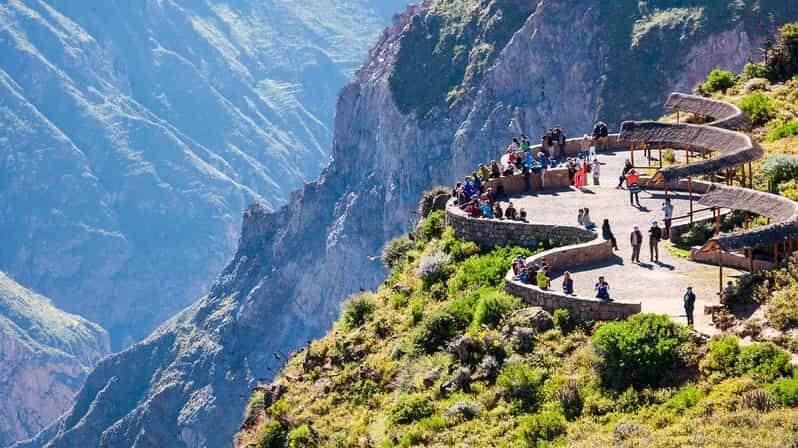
(654, 237)
(636, 239)
(689, 304)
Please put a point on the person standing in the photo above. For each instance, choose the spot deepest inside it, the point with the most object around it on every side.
(596, 169)
(667, 210)
(637, 241)
(689, 304)
(654, 237)
(633, 183)
(602, 289)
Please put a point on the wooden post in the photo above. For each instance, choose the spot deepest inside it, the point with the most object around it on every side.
(750, 176)
(720, 275)
(632, 148)
(690, 194)
(717, 223)
(687, 153)
(750, 254)
(660, 155)
(677, 116)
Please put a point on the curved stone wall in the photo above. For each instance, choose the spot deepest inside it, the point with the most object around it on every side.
(726, 115)
(490, 233)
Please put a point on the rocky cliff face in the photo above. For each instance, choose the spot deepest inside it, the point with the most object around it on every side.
(293, 267)
(45, 354)
(133, 134)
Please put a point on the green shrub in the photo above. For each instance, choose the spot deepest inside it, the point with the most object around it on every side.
(436, 330)
(357, 311)
(463, 410)
(492, 306)
(485, 271)
(753, 70)
(562, 320)
(273, 435)
(782, 312)
(765, 361)
(669, 156)
(719, 81)
(686, 398)
(416, 311)
(789, 189)
(785, 391)
(537, 429)
(432, 227)
(523, 382)
(779, 169)
(642, 351)
(394, 254)
(721, 359)
(759, 106)
(302, 437)
(434, 268)
(783, 131)
(757, 399)
(570, 399)
(409, 408)
(699, 234)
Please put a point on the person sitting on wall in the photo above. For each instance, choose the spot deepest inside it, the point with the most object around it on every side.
(544, 160)
(472, 209)
(518, 263)
(477, 182)
(543, 279)
(602, 289)
(498, 213)
(522, 215)
(580, 217)
(588, 222)
(571, 171)
(510, 213)
(459, 195)
(486, 209)
(490, 195)
(531, 275)
(509, 169)
(524, 143)
(627, 167)
(606, 233)
(484, 172)
(469, 188)
(600, 135)
(567, 283)
(495, 171)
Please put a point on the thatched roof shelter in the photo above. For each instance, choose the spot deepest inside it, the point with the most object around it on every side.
(726, 115)
(735, 148)
(782, 211)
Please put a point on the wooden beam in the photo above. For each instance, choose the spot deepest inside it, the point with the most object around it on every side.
(690, 194)
(720, 277)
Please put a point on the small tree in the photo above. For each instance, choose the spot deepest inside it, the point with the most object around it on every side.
(759, 106)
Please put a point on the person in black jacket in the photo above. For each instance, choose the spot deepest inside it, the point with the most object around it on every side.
(654, 237)
(636, 239)
(689, 304)
(606, 233)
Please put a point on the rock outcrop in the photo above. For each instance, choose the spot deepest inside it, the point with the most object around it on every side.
(134, 133)
(45, 354)
(293, 267)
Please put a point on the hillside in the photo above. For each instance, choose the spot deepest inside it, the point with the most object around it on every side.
(442, 357)
(293, 267)
(133, 134)
(45, 354)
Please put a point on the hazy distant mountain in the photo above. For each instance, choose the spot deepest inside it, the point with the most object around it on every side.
(45, 354)
(134, 133)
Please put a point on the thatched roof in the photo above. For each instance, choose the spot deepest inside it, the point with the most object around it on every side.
(778, 208)
(735, 148)
(726, 115)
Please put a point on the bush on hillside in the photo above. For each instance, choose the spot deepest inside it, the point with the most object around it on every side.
(759, 106)
(783, 58)
(699, 234)
(642, 351)
(395, 252)
(302, 437)
(719, 81)
(786, 130)
(522, 382)
(538, 429)
(562, 320)
(432, 227)
(492, 306)
(753, 71)
(785, 391)
(782, 312)
(410, 408)
(273, 435)
(765, 361)
(358, 311)
(779, 169)
(485, 271)
(721, 359)
(434, 268)
(437, 330)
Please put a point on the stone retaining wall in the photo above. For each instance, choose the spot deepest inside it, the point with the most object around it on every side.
(581, 308)
(489, 233)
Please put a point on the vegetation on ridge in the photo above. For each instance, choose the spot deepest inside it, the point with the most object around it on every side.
(454, 362)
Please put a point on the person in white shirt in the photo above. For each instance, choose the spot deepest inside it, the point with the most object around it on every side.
(667, 209)
(595, 168)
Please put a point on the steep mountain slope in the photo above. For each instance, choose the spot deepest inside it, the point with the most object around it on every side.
(45, 354)
(293, 267)
(132, 134)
